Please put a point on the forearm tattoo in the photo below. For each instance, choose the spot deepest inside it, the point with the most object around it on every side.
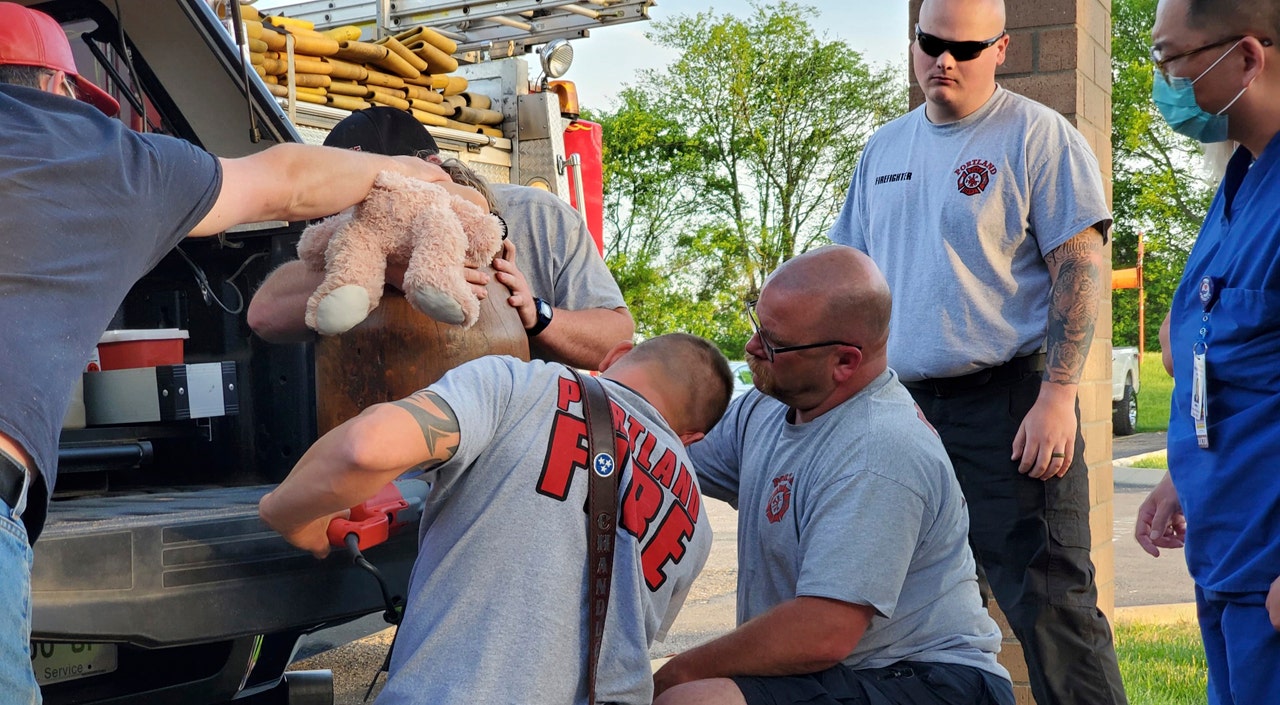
(438, 422)
(1073, 305)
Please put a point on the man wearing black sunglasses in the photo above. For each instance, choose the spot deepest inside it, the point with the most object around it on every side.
(987, 214)
(855, 583)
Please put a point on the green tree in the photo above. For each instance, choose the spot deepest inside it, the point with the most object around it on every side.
(1159, 185)
(732, 160)
(649, 162)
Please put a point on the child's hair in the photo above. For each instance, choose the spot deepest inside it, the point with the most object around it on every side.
(463, 175)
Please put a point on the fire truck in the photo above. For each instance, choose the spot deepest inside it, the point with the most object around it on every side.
(154, 580)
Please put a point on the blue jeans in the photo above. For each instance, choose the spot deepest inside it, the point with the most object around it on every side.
(17, 681)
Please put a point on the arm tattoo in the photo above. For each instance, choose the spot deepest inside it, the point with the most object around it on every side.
(1076, 270)
(438, 422)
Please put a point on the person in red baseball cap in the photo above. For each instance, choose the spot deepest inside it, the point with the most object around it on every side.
(87, 207)
(31, 38)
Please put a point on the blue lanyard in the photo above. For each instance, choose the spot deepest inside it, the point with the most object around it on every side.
(1210, 288)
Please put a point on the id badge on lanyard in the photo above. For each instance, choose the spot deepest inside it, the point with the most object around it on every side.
(1209, 289)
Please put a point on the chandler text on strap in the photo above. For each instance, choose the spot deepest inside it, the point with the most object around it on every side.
(602, 514)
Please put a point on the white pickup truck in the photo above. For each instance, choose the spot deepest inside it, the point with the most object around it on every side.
(1124, 390)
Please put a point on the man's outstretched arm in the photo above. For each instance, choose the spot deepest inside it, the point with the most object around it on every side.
(351, 463)
(299, 182)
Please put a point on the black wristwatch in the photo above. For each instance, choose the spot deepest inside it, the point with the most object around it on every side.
(544, 317)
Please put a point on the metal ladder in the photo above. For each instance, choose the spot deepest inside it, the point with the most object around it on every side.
(483, 29)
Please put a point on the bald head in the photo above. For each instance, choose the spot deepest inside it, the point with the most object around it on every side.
(954, 87)
(845, 293)
(957, 15)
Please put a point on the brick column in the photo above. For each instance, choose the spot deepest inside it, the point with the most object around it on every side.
(1060, 55)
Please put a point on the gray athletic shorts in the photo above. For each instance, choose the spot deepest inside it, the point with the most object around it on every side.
(906, 683)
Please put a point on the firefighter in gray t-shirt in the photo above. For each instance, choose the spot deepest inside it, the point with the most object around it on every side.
(986, 212)
(498, 599)
(854, 574)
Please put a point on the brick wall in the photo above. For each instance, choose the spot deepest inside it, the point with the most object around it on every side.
(1060, 55)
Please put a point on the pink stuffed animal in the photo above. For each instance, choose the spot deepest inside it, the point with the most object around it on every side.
(404, 221)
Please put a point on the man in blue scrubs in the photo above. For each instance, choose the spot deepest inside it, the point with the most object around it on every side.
(1217, 78)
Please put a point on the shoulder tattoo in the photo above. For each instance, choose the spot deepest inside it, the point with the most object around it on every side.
(436, 419)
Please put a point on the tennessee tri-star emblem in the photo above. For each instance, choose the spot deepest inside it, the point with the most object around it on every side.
(974, 175)
(780, 500)
(602, 464)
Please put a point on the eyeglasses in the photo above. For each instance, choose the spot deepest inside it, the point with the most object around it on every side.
(960, 51)
(1161, 61)
(770, 350)
(67, 86)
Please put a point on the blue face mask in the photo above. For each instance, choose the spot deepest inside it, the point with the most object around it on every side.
(1176, 99)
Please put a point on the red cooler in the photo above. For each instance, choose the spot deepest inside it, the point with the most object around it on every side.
(125, 349)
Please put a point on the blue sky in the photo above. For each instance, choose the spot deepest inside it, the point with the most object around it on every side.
(613, 56)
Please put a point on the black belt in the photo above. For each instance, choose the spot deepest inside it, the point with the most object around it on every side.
(1011, 371)
(13, 477)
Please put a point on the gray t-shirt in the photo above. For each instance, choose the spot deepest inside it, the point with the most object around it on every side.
(554, 250)
(497, 609)
(959, 218)
(859, 505)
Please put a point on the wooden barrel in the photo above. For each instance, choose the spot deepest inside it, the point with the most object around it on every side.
(396, 351)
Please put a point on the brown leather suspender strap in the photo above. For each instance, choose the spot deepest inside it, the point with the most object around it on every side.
(602, 514)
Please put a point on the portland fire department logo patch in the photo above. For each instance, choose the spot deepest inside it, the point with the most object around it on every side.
(780, 500)
(974, 175)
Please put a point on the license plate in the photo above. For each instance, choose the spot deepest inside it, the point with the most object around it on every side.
(56, 663)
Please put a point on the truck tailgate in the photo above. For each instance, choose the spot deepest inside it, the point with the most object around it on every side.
(184, 567)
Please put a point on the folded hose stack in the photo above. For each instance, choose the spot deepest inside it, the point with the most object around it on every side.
(408, 71)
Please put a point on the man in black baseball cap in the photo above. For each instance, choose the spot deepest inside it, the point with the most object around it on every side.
(386, 130)
(548, 261)
(383, 130)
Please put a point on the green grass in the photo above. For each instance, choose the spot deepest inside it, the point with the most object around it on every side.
(1155, 387)
(1162, 664)
(1155, 462)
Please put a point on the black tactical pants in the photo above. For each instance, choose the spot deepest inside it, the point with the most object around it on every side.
(1031, 539)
